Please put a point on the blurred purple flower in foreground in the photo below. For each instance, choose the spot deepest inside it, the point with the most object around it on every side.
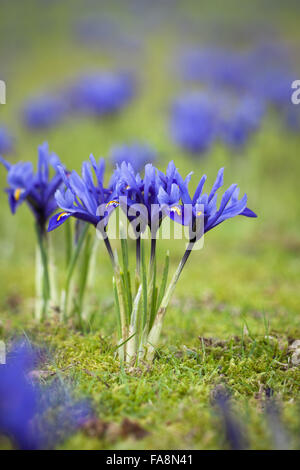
(31, 415)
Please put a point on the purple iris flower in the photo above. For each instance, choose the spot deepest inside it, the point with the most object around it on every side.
(137, 154)
(6, 141)
(185, 209)
(102, 93)
(44, 111)
(82, 196)
(34, 416)
(37, 189)
(193, 122)
(141, 194)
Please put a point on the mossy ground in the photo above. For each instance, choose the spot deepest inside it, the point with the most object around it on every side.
(242, 287)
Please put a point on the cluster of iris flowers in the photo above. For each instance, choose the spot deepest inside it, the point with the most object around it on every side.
(96, 94)
(145, 201)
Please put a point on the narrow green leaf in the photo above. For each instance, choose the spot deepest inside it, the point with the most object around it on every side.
(121, 296)
(151, 293)
(68, 238)
(124, 342)
(164, 280)
(153, 307)
(72, 264)
(124, 295)
(144, 286)
(45, 281)
(83, 275)
(127, 284)
(117, 305)
(76, 253)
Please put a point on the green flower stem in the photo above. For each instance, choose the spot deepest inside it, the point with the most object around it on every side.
(90, 281)
(154, 334)
(122, 305)
(138, 263)
(83, 277)
(117, 305)
(144, 288)
(126, 276)
(72, 264)
(42, 276)
(120, 300)
(52, 274)
(68, 241)
(153, 251)
(38, 284)
(152, 283)
(133, 342)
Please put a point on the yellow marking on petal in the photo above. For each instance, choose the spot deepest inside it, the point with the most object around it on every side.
(17, 193)
(63, 214)
(127, 187)
(176, 209)
(112, 203)
(199, 213)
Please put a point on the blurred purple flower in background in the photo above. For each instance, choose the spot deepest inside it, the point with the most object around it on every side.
(101, 93)
(44, 111)
(31, 415)
(6, 141)
(263, 72)
(106, 32)
(239, 119)
(136, 153)
(193, 122)
(215, 66)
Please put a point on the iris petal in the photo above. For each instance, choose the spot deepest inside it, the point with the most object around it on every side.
(57, 220)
